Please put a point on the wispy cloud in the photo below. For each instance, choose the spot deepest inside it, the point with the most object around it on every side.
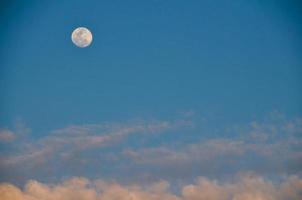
(61, 144)
(141, 149)
(273, 147)
(6, 135)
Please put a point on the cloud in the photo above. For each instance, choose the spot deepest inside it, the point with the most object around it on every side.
(244, 187)
(6, 136)
(199, 150)
(271, 147)
(212, 149)
(68, 146)
(196, 152)
(150, 150)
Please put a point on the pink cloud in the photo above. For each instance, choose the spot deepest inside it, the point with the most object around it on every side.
(245, 187)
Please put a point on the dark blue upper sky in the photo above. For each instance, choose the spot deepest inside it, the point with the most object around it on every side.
(233, 59)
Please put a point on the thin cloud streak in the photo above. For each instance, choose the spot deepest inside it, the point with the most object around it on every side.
(6, 136)
(276, 148)
(83, 138)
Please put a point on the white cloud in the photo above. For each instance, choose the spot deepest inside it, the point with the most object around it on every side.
(245, 187)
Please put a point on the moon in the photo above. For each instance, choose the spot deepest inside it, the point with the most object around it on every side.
(81, 37)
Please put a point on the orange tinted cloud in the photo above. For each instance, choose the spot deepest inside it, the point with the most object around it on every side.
(247, 187)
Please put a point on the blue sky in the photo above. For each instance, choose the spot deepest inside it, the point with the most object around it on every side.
(192, 84)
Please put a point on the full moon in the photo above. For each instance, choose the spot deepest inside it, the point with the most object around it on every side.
(81, 37)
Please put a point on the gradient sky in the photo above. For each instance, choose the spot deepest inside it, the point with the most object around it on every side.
(168, 90)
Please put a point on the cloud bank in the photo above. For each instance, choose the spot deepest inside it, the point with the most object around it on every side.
(150, 150)
(245, 187)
